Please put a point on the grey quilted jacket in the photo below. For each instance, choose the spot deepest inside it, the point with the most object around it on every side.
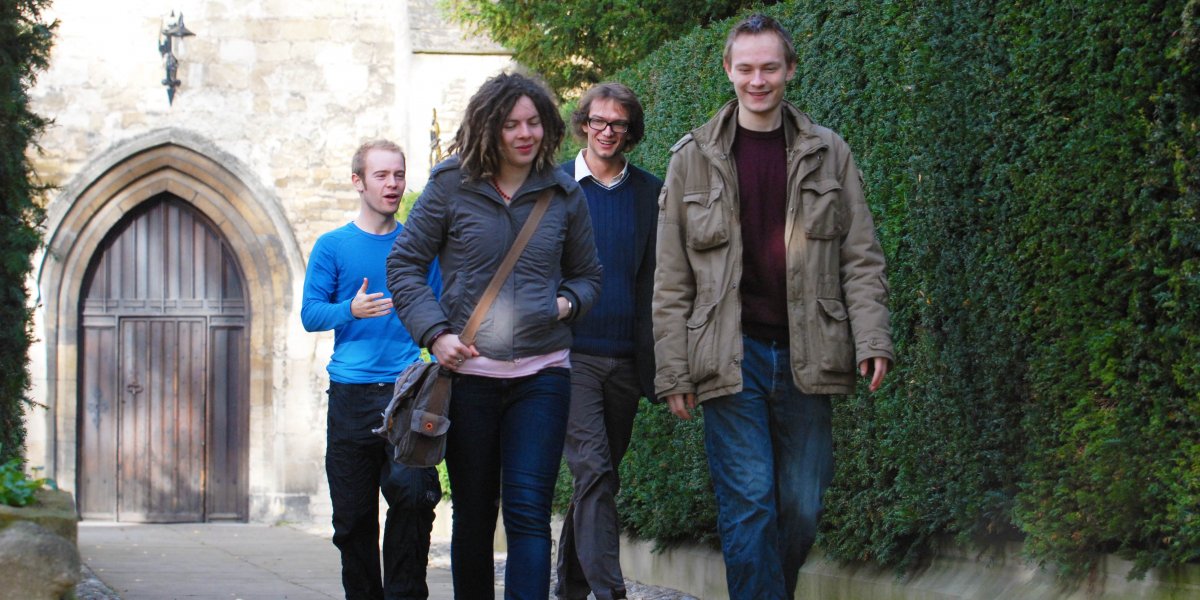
(469, 228)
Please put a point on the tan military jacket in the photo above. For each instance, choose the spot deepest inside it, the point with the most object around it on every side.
(837, 290)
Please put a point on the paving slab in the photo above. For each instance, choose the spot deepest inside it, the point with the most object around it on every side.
(244, 561)
(235, 561)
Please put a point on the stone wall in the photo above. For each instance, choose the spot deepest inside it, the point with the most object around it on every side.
(957, 573)
(276, 95)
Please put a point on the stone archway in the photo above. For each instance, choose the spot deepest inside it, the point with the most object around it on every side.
(247, 217)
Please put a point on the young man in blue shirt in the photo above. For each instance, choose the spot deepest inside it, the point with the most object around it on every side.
(344, 291)
(612, 357)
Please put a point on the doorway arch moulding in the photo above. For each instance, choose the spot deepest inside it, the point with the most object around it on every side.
(247, 214)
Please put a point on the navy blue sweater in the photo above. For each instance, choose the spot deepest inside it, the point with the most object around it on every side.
(608, 329)
(636, 232)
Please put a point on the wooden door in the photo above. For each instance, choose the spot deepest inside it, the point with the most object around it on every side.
(163, 411)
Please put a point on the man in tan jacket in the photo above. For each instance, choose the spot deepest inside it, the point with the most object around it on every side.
(769, 292)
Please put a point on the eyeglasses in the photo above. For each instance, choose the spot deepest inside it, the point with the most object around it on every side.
(598, 124)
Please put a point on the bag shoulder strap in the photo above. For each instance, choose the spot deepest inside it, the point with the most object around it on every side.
(510, 260)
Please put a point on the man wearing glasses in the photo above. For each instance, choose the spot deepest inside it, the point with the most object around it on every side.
(612, 358)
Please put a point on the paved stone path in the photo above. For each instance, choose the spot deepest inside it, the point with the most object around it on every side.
(439, 556)
(148, 561)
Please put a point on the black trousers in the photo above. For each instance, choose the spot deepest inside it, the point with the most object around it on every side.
(359, 466)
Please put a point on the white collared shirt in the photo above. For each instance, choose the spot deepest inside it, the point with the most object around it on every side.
(582, 171)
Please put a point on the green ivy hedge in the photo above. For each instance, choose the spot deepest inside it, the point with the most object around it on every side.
(1034, 170)
(24, 49)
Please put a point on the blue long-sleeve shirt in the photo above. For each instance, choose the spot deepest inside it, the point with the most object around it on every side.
(373, 350)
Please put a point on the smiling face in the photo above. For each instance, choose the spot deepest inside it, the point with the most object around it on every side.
(520, 136)
(607, 144)
(758, 69)
(381, 186)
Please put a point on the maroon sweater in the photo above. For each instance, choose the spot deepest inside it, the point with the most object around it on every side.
(761, 159)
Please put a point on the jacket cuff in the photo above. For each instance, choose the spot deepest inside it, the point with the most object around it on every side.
(666, 384)
(433, 334)
(573, 299)
(872, 346)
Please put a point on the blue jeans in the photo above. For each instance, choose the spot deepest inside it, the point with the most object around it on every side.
(505, 445)
(770, 454)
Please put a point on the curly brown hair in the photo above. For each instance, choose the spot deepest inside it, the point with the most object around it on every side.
(478, 140)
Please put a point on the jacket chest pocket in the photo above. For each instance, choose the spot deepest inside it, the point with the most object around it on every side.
(824, 216)
(707, 222)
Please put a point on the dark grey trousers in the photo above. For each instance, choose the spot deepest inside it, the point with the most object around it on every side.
(604, 401)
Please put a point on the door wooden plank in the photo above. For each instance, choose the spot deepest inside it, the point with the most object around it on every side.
(227, 484)
(131, 481)
(98, 423)
(162, 457)
(189, 239)
(191, 424)
(154, 244)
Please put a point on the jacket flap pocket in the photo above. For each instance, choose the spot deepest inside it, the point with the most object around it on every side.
(706, 222)
(703, 198)
(429, 424)
(824, 215)
(700, 315)
(822, 186)
(833, 307)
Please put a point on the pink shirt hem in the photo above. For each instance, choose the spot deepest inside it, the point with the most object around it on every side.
(511, 369)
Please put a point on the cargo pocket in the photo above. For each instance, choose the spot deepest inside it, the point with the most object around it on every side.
(701, 340)
(707, 226)
(823, 218)
(836, 351)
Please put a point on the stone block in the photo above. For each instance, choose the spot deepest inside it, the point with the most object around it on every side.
(38, 564)
(296, 30)
(54, 510)
(237, 51)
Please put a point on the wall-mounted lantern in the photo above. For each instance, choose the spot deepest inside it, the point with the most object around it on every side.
(175, 29)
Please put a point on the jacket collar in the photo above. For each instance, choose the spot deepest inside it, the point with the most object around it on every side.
(534, 184)
(716, 136)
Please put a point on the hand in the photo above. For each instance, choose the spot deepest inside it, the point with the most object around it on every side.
(564, 308)
(880, 365)
(682, 404)
(365, 306)
(450, 352)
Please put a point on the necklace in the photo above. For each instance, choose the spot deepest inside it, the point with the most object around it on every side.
(496, 185)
